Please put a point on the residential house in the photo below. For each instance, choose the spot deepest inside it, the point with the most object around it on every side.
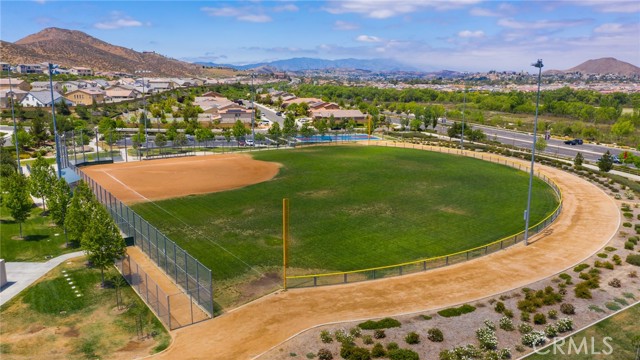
(118, 93)
(12, 83)
(321, 105)
(69, 86)
(339, 115)
(5, 66)
(16, 94)
(288, 100)
(30, 68)
(81, 71)
(223, 110)
(86, 97)
(42, 99)
(44, 85)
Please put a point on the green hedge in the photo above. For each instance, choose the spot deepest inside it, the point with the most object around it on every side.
(451, 312)
(380, 324)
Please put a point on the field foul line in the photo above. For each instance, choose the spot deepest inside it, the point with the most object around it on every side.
(182, 221)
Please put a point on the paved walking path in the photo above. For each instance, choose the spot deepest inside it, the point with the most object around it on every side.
(21, 275)
(590, 218)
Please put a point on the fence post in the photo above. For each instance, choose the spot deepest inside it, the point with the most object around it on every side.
(186, 270)
(169, 311)
(191, 304)
(197, 282)
(146, 285)
(345, 278)
(175, 262)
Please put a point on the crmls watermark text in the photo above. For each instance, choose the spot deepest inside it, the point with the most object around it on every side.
(586, 346)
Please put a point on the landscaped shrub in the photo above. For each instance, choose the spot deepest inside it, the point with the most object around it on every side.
(450, 312)
(564, 325)
(539, 319)
(435, 335)
(343, 337)
(412, 338)
(634, 239)
(551, 331)
(615, 283)
(426, 317)
(350, 352)
(552, 314)
(461, 352)
(403, 354)
(378, 351)
(355, 332)
(565, 277)
(487, 338)
(508, 313)
(325, 354)
(580, 267)
(633, 274)
(620, 301)
(379, 334)
(610, 249)
(613, 306)
(367, 339)
(525, 316)
(325, 336)
(595, 308)
(392, 346)
(582, 291)
(626, 224)
(381, 324)
(603, 264)
(506, 324)
(567, 309)
(627, 214)
(616, 259)
(525, 328)
(603, 255)
(499, 308)
(633, 259)
(489, 324)
(534, 338)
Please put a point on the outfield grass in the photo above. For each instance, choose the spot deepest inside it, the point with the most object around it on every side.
(621, 330)
(41, 240)
(352, 208)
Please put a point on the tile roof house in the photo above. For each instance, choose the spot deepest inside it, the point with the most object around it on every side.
(121, 93)
(44, 85)
(339, 115)
(42, 98)
(86, 96)
(16, 94)
(222, 109)
(6, 84)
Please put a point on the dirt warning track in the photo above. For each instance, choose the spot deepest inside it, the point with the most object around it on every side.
(588, 221)
(175, 177)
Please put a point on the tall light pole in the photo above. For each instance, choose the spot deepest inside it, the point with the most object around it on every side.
(539, 65)
(15, 128)
(144, 111)
(253, 111)
(464, 108)
(53, 116)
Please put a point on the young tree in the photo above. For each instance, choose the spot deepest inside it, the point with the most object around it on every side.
(289, 128)
(42, 180)
(274, 133)
(204, 134)
(578, 160)
(38, 130)
(79, 212)
(17, 198)
(160, 140)
(59, 204)
(541, 144)
(306, 130)
(102, 240)
(239, 130)
(180, 139)
(605, 163)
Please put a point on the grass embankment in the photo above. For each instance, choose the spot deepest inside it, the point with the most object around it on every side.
(49, 319)
(617, 337)
(352, 208)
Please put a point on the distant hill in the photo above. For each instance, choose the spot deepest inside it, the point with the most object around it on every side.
(601, 66)
(300, 64)
(70, 48)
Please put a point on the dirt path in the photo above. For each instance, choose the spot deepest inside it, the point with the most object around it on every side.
(175, 177)
(588, 220)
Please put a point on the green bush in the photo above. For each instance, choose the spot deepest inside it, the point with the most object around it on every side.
(628, 245)
(580, 267)
(627, 214)
(582, 291)
(350, 352)
(525, 316)
(633, 259)
(525, 328)
(355, 332)
(603, 264)
(506, 324)
(615, 283)
(499, 308)
(392, 346)
(379, 334)
(552, 314)
(378, 351)
(610, 249)
(626, 224)
(451, 312)
(325, 354)
(508, 313)
(603, 255)
(426, 317)
(613, 306)
(403, 354)
(367, 339)
(539, 319)
(551, 331)
(435, 335)
(381, 324)
(616, 259)
(325, 336)
(565, 277)
(634, 239)
(412, 338)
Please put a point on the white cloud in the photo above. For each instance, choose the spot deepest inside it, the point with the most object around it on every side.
(541, 24)
(608, 6)
(368, 38)
(287, 7)
(242, 14)
(343, 25)
(118, 21)
(471, 34)
(483, 12)
(610, 28)
(383, 9)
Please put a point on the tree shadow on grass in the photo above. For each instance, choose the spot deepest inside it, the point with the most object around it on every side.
(35, 237)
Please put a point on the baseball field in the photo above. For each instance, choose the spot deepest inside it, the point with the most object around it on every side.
(352, 207)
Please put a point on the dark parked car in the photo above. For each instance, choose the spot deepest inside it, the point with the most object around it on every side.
(574, 142)
(279, 113)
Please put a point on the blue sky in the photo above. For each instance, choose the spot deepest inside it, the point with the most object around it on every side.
(464, 35)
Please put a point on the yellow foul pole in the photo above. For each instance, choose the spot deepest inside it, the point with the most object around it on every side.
(285, 238)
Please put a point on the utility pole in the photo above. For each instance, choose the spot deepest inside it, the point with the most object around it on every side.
(527, 212)
(464, 108)
(15, 128)
(55, 126)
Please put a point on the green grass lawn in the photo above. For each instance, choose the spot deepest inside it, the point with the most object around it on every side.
(621, 330)
(41, 238)
(352, 208)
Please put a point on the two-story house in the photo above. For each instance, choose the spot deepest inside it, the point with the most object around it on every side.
(87, 96)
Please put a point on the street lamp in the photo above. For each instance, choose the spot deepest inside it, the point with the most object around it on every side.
(464, 107)
(539, 65)
(253, 111)
(15, 129)
(144, 110)
(55, 126)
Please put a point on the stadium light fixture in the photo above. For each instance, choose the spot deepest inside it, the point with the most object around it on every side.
(15, 128)
(55, 126)
(527, 212)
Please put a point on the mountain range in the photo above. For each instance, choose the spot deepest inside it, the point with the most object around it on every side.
(70, 48)
(304, 63)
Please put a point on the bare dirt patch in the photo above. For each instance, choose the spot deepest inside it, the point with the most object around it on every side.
(176, 177)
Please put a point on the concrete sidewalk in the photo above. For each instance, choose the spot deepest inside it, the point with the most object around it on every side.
(21, 275)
